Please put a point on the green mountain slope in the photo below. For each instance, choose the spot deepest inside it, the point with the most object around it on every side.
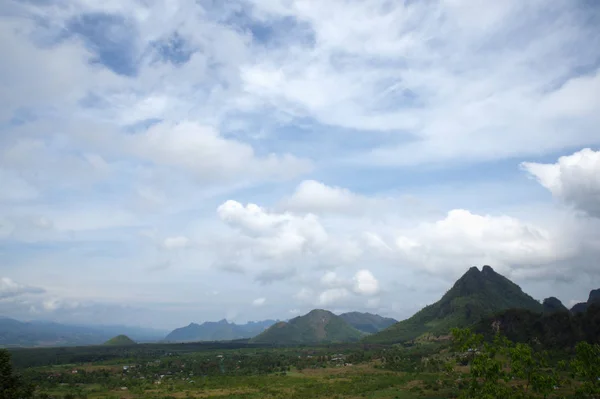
(217, 331)
(553, 304)
(367, 322)
(316, 326)
(475, 295)
(120, 340)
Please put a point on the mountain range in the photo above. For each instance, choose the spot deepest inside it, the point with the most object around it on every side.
(43, 333)
(218, 331)
(317, 326)
(367, 322)
(475, 298)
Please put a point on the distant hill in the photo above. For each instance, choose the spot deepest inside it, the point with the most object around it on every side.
(552, 305)
(315, 327)
(120, 340)
(367, 322)
(218, 331)
(475, 295)
(581, 307)
(14, 333)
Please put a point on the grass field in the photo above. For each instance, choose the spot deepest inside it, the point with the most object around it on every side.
(361, 381)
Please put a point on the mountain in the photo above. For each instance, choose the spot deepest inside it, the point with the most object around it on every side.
(14, 333)
(581, 307)
(120, 340)
(475, 295)
(315, 327)
(367, 322)
(217, 331)
(553, 304)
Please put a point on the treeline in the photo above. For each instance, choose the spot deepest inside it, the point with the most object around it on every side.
(558, 330)
(36, 357)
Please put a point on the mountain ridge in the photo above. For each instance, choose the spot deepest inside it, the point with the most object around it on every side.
(473, 296)
(317, 326)
(220, 330)
(367, 322)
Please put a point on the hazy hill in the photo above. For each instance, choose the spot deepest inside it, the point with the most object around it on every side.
(120, 340)
(475, 295)
(316, 326)
(581, 307)
(553, 304)
(217, 331)
(14, 333)
(367, 322)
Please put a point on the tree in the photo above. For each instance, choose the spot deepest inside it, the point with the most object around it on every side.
(494, 364)
(12, 385)
(586, 367)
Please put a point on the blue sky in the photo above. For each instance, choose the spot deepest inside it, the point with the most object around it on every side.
(166, 162)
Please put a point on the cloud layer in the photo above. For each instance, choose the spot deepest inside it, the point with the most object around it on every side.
(273, 156)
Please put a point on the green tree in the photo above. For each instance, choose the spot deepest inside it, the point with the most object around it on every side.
(586, 368)
(12, 385)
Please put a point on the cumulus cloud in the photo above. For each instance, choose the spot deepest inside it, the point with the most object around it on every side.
(464, 238)
(573, 179)
(314, 196)
(365, 283)
(283, 236)
(10, 288)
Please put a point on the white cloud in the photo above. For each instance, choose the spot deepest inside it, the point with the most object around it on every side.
(573, 179)
(464, 238)
(202, 151)
(10, 288)
(332, 296)
(464, 82)
(259, 301)
(178, 242)
(365, 283)
(274, 234)
(316, 197)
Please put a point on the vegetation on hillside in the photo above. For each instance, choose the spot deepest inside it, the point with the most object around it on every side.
(217, 331)
(477, 294)
(553, 304)
(550, 330)
(316, 326)
(367, 322)
(120, 340)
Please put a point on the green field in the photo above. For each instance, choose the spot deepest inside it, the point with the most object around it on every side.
(434, 369)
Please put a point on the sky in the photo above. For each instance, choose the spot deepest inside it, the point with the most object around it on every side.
(167, 162)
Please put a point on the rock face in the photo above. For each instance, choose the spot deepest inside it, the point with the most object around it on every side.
(475, 295)
(317, 326)
(581, 307)
(553, 304)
